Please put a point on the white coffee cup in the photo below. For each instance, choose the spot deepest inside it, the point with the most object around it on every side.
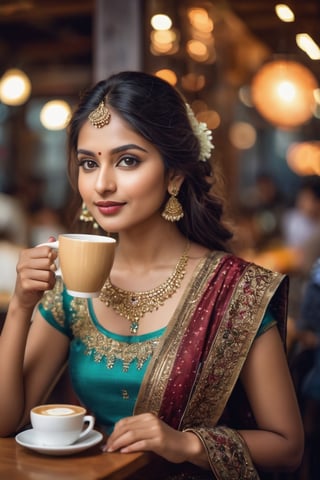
(60, 424)
(85, 262)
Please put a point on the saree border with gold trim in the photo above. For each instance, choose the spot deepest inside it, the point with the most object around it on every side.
(198, 361)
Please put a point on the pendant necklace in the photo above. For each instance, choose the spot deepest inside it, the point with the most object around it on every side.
(134, 305)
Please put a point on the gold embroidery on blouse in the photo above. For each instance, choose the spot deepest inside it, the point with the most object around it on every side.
(52, 300)
(125, 394)
(103, 348)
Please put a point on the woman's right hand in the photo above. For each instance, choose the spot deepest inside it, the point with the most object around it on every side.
(35, 274)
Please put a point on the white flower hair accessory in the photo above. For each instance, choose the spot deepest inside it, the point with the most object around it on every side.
(203, 134)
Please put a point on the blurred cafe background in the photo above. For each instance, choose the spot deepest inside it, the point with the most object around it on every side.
(249, 68)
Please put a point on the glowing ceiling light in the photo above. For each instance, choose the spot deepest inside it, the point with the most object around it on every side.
(286, 91)
(284, 12)
(55, 115)
(161, 22)
(308, 45)
(15, 87)
(283, 92)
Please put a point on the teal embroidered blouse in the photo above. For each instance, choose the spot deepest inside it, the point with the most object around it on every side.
(106, 369)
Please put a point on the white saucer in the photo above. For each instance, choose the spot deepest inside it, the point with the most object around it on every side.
(26, 439)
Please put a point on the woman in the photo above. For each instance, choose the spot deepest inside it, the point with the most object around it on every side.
(181, 354)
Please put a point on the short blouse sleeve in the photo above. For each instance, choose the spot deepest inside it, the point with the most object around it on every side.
(267, 322)
(54, 308)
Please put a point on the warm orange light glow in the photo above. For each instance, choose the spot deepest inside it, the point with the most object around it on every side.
(199, 106)
(210, 117)
(200, 19)
(161, 37)
(193, 82)
(197, 50)
(242, 135)
(283, 92)
(164, 42)
(304, 158)
(168, 75)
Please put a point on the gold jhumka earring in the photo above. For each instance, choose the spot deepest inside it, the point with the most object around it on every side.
(173, 211)
(100, 116)
(85, 216)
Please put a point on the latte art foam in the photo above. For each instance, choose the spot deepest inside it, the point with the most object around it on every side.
(59, 411)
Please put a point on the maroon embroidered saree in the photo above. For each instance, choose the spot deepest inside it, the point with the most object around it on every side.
(192, 380)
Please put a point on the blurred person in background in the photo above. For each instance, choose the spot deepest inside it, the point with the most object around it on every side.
(269, 205)
(305, 366)
(302, 221)
(301, 232)
(13, 219)
(13, 237)
(44, 222)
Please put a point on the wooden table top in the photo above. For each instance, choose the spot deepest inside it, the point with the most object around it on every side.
(20, 463)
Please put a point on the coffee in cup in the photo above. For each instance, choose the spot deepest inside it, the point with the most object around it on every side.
(60, 424)
(85, 262)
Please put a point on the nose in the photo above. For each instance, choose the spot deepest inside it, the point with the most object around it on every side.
(105, 181)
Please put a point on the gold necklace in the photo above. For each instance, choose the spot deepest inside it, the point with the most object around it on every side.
(133, 305)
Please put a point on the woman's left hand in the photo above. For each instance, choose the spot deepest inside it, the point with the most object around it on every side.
(146, 432)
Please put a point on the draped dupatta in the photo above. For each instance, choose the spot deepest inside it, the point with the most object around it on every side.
(196, 367)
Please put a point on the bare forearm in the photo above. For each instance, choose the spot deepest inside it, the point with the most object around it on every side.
(270, 450)
(12, 349)
(266, 450)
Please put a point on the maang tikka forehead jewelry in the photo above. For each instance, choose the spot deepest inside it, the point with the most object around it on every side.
(100, 116)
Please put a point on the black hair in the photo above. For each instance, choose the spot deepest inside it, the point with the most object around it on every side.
(157, 111)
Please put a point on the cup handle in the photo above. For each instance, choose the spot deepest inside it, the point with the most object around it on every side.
(49, 244)
(54, 245)
(91, 420)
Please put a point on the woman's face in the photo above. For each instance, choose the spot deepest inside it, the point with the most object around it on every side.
(121, 175)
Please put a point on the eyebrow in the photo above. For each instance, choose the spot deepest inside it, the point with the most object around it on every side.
(122, 148)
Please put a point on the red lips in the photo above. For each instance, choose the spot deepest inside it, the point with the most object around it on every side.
(109, 208)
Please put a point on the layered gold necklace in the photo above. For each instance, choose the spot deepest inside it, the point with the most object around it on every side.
(134, 305)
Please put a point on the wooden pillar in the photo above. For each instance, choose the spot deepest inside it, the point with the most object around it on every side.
(118, 37)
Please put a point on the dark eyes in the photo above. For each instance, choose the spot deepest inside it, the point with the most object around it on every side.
(87, 164)
(126, 161)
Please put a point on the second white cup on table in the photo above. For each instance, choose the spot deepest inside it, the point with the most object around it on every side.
(60, 424)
